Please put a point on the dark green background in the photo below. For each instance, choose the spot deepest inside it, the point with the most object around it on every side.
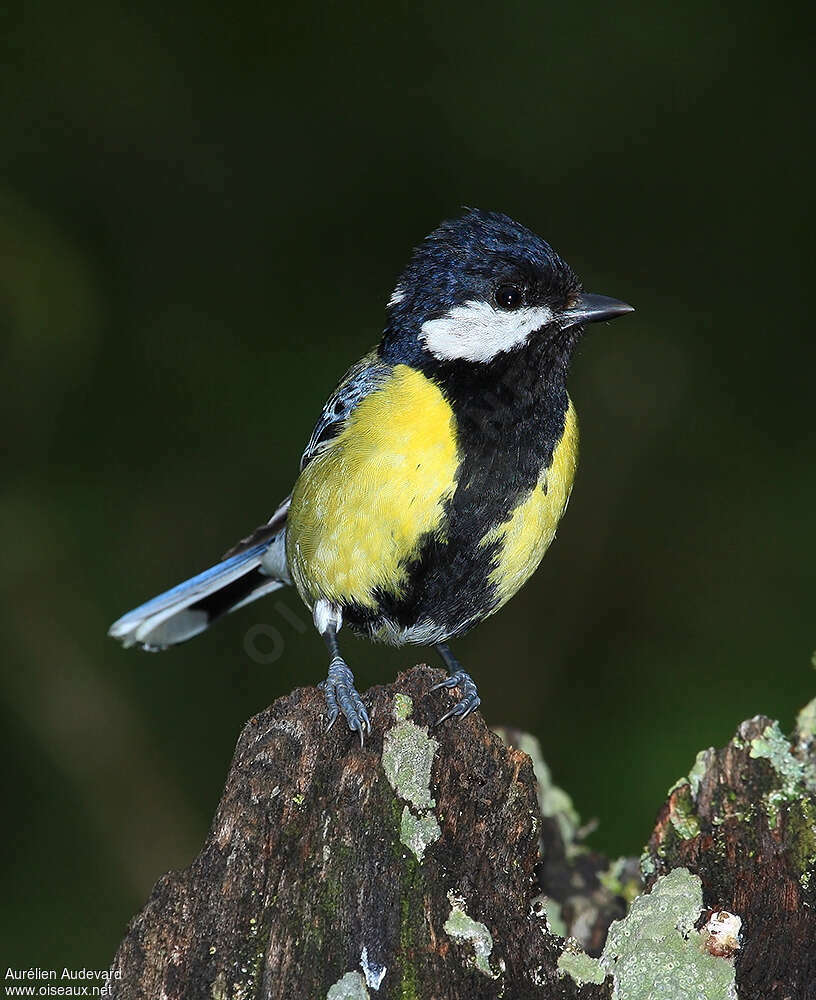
(203, 210)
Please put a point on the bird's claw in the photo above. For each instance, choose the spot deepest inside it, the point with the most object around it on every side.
(449, 682)
(342, 696)
(470, 700)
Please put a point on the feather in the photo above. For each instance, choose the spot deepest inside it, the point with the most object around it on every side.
(254, 567)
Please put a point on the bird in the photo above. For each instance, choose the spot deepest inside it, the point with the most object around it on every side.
(437, 472)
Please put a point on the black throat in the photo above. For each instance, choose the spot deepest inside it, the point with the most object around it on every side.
(510, 414)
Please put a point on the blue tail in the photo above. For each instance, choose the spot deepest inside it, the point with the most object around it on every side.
(189, 608)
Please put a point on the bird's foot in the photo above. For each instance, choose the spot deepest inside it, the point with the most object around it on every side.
(469, 701)
(342, 696)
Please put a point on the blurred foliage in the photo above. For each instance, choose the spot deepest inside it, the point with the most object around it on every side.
(203, 209)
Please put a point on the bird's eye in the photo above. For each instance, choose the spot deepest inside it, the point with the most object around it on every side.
(508, 296)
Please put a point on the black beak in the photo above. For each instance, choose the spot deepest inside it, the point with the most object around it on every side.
(593, 309)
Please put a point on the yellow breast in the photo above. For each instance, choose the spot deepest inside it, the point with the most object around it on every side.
(359, 507)
(527, 534)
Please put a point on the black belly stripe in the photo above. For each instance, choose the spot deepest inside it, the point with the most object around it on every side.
(510, 416)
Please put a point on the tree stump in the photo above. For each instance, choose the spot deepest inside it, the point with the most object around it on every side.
(437, 863)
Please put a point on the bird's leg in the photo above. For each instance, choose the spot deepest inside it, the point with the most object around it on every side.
(458, 678)
(341, 695)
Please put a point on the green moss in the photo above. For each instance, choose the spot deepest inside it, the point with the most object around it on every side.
(329, 893)
(647, 865)
(683, 816)
(407, 760)
(697, 772)
(773, 747)
(403, 707)
(461, 927)
(418, 832)
(801, 840)
(351, 987)
(655, 951)
(407, 757)
(581, 968)
(408, 886)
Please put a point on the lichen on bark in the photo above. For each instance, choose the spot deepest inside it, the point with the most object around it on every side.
(434, 862)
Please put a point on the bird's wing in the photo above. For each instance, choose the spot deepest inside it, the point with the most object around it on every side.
(265, 533)
(361, 379)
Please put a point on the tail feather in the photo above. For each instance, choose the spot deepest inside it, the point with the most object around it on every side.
(190, 608)
(254, 567)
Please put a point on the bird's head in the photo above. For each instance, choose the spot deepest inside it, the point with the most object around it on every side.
(481, 286)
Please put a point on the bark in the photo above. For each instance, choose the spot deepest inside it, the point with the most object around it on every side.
(745, 822)
(438, 863)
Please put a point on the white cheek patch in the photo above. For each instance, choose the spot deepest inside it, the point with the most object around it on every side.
(476, 331)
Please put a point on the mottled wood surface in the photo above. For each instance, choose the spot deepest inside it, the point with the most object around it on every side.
(304, 868)
(332, 871)
(755, 853)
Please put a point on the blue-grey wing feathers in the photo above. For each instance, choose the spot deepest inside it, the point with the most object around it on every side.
(361, 379)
